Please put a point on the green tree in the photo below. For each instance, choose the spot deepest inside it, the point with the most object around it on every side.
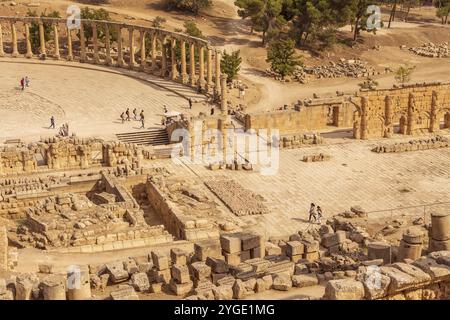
(230, 64)
(403, 73)
(194, 6)
(282, 57)
(158, 22)
(97, 14)
(442, 10)
(265, 15)
(34, 27)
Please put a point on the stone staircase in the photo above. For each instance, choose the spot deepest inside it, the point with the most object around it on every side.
(155, 137)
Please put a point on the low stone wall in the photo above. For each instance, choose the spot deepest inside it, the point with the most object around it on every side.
(3, 249)
(414, 145)
(179, 224)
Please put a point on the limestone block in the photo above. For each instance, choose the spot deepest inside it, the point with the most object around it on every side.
(379, 250)
(399, 279)
(417, 273)
(228, 280)
(250, 241)
(231, 243)
(201, 270)
(162, 276)
(117, 272)
(272, 249)
(126, 293)
(294, 248)
(217, 265)
(54, 288)
(156, 287)
(178, 256)
(223, 292)
(344, 289)
(430, 266)
(160, 261)
(180, 289)
(140, 282)
(304, 280)
(245, 255)
(260, 286)
(311, 256)
(239, 290)
(282, 282)
(45, 268)
(375, 284)
(333, 239)
(438, 245)
(130, 266)
(180, 273)
(409, 251)
(232, 258)
(268, 279)
(310, 246)
(209, 248)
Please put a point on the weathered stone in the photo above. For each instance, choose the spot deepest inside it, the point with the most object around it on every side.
(344, 289)
(180, 273)
(160, 261)
(126, 293)
(180, 289)
(140, 282)
(224, 292)
(294, 248)
(200, 270)
(282, 282)
(207, 249)
(117, 272)
(178, 256)
(231, 243)
(304, 280)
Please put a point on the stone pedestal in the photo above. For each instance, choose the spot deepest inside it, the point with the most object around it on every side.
(440, 226)
(79, 287)
(379, 250)
(54, 288)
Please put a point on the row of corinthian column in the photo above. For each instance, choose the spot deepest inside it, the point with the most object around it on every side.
(207, 78)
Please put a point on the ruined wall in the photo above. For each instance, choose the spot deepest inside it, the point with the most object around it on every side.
(3, 249)
(410, 110)
(312, 115)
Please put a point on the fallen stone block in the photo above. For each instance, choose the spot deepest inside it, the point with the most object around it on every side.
(282, 282)
(217, 265)
(180, 289)
(160, 261)
(224, 292)
(294, 248)
(180, 273)
(140, 282)
(201, 270)
(127, 293)
(178, 256)
(209, 248)
(116, 272)
(344, 289)
(231, 243)
(304, 280)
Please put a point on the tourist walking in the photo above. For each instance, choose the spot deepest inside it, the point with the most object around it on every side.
(27, 81)
(312, 212)
(190, 103)
(212, 111)
(135, 114)
(52, 122)
(128, 114)
(142, 120)
(122, 116)
(22, 83)
(319, 214)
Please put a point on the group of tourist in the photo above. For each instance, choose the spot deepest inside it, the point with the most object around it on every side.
(126, 116)
(24, 82)
(315, 213)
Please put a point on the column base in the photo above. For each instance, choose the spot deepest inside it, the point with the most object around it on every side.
(15, 55)
(69, 58)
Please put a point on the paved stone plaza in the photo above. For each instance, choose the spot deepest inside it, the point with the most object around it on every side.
(89, 98)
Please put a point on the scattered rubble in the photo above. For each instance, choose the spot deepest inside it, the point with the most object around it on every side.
(432, 50)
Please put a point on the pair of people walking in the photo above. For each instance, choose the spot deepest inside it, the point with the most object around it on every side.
(125, 116)
(315, 213)
(24, 82)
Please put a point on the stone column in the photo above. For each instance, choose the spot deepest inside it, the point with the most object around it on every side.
(108, 45)
(217, 75)
(2, 51)
(411, 116)
(388, 117)
(223, 95)
(209, 68)
(192, 64)
(57, 55)
(434, 122)
(3, 249)
(83, 56)
(154, 67)
(201, 67)
(364, 105)
(183, 62)
(131, 62)
(143, 55)
(29, 53)
(163, 57)
(173, 59)
(15, 51)
(69, 45)
(120, 61)
(95, 42)
(42, 38)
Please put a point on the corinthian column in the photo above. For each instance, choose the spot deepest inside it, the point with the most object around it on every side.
(131, 62)
(69, 45)
(154, 67)
(2, 51)
(163, 57)
(143, 55)
(120, 61)
(29, 53)
(209, 69)
(15, 51)
(201, 79)
(223, 96)
(192, 64)
(183, 62)
(108, 44)
(56, 41)
(82, 43)
(42, 38)
(173, 59)
(217, 75)
(95, 42)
